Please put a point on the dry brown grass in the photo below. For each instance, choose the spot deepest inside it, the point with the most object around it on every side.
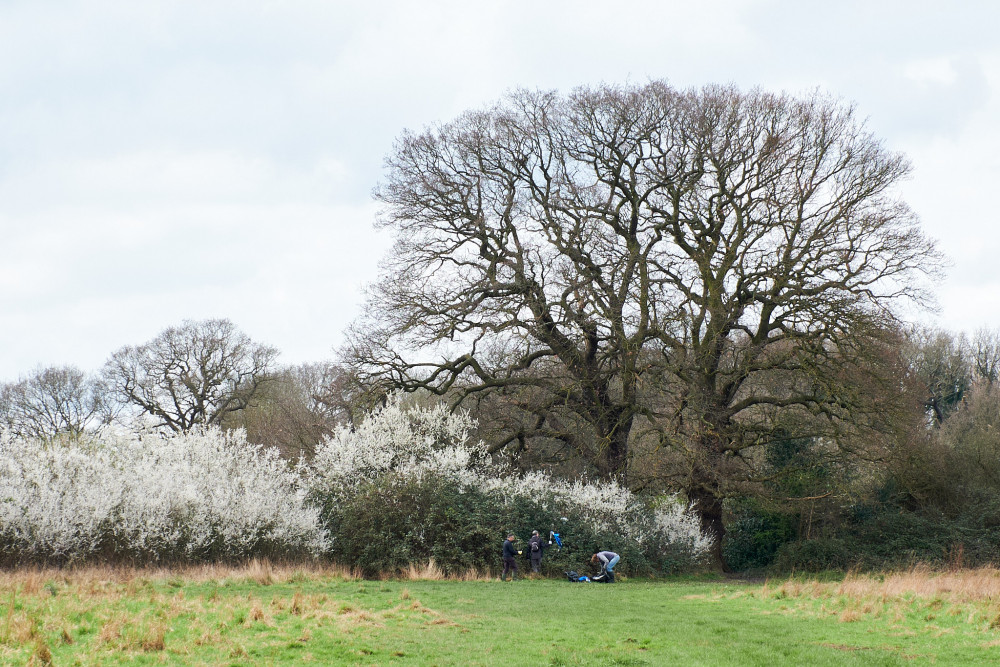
(41, 655)
(46, 607)
(473, 574)
(154, 638)
(108, 581)
(963, 585)
(973, 593)
(979, 584)
(8, 622)
(428, 572)
(102, 580)
(111, 631)
(431, 572)
(93, 606)
(256, 613)
(850, 616)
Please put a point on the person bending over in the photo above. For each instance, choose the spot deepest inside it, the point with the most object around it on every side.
(608, 560)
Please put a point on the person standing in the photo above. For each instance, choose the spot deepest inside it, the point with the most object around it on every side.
(509, 558)
(536, 547)
(608, 560)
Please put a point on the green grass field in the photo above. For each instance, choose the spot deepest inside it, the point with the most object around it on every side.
(261, 616)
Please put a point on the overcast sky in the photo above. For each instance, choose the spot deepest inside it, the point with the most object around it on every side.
(171, 160)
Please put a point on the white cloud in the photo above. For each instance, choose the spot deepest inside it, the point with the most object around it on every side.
(107, 251)
(952, 185)
(934, 71)
(289, 275)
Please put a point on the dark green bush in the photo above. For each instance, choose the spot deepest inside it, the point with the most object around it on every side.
(816, 555)
(389, 525)
(754, 536)
(876, 536)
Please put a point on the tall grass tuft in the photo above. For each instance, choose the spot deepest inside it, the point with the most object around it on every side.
(428, 572)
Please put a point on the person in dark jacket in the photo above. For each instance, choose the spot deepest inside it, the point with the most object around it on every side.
(509, 558)
(536, 547)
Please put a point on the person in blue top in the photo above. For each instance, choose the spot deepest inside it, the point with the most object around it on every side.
(608, 560)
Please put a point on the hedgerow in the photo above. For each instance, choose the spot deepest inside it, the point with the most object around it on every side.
(406, 485)
(403, 487)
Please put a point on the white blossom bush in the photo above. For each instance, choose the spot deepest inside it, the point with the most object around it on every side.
(402, 448)
(393, 439)
(150, 497)
(403, 486)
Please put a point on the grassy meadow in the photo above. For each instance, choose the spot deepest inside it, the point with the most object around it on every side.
(263, 614)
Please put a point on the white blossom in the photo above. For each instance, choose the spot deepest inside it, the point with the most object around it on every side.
(204, 493)
(414, 442)
(209, 494)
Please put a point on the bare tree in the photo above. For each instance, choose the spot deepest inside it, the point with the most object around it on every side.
(297, 408)
(52, 402)
(986, 355)
(192, 374)
(944, 365)
(333, 393)
(710, 264)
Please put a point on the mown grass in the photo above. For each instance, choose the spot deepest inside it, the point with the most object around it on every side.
(279, 615)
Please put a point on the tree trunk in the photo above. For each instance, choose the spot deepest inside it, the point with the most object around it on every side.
(704, 499)
(612, 457)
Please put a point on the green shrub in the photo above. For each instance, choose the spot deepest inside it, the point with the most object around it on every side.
(816, 555)
(754, 536)
(398, 521)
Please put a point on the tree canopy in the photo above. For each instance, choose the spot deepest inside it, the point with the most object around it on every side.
(52, 402)
(193, 374)
(709, 267)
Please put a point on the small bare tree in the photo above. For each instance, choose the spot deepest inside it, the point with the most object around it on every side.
(193, 374)
(297, 408)
(985, 349)
(712, 265)
(944, 365)
(53, 402)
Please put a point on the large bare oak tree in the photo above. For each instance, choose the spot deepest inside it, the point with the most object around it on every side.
(703, 265)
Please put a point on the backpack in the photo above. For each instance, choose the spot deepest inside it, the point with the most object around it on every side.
(534, 547)
(605, 577)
